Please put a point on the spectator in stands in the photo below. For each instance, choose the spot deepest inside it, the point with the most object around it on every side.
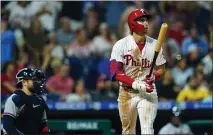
(123, 27)
(61, 83)
(46, 12)
(171, 51)
(202, 81)
(199, 69)
(20, 16)
(167, 89)
(35, 41)
(80, 93)
(52, 49)
(99, 6)
(102, 44)
(181, 72)
(81, 46)
(114, 38)
(91, 23)
(155, 22)
(207, 35)
(64, 34)
(177, 32)
(209, 98)
(207, 61)
(156, 18)
(53, 67)
(175, 126)
(20, 41)
(86, 5)
(103, 92)
(8, 79)
(7, 41)
(204, 16)
(114, 11)
(104, 67)
(22, 61)
(194, 40)
(167, 9)
(171, 10)
(194, 92)
(193, 57)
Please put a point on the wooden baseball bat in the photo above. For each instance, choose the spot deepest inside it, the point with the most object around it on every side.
(161, 38)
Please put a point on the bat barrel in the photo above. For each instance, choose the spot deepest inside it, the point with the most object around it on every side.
(161, 36)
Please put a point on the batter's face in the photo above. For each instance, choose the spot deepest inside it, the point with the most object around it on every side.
(143, 21)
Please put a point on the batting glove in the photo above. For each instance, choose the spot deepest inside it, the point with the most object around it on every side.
(155, 76)
(149, 86)
(139, 85)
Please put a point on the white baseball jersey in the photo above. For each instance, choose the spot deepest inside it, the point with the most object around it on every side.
(170, 129)
(136, 64)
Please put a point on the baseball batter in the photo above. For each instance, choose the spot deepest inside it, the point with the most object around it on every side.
(130, 63)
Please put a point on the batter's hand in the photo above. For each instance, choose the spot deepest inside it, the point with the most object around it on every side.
(139, 85)
(149, 86)
(155, 76)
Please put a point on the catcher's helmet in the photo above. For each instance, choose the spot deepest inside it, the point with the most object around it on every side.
(37, 76)
(133, 25)
(24, 74)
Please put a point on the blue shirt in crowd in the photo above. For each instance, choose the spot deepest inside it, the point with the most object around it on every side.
(180, 77)
(7, 46)
(114, 12)
(200, 44)
(64, 39)
(104, 67)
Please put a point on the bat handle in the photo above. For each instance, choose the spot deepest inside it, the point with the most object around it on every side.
(153, 63)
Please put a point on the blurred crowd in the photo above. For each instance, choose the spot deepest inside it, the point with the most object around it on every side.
(74, 54)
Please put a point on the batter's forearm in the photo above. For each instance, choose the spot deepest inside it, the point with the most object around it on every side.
(160, 70)
(120, 76)
(117, 73)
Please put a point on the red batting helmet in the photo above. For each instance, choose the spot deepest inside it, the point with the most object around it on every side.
(133, 25)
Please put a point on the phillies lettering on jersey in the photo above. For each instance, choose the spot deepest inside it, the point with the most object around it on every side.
(136, 64)
(129, 59)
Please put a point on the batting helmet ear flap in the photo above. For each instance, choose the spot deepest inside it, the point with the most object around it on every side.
(132, 26)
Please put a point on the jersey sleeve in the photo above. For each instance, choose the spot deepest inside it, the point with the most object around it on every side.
(10, 113)
(44, 126)
(44, 117)
(11, 108)
(161, 59)
(117, 52)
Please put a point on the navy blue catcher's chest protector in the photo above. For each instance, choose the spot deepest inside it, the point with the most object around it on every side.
(30, 112)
